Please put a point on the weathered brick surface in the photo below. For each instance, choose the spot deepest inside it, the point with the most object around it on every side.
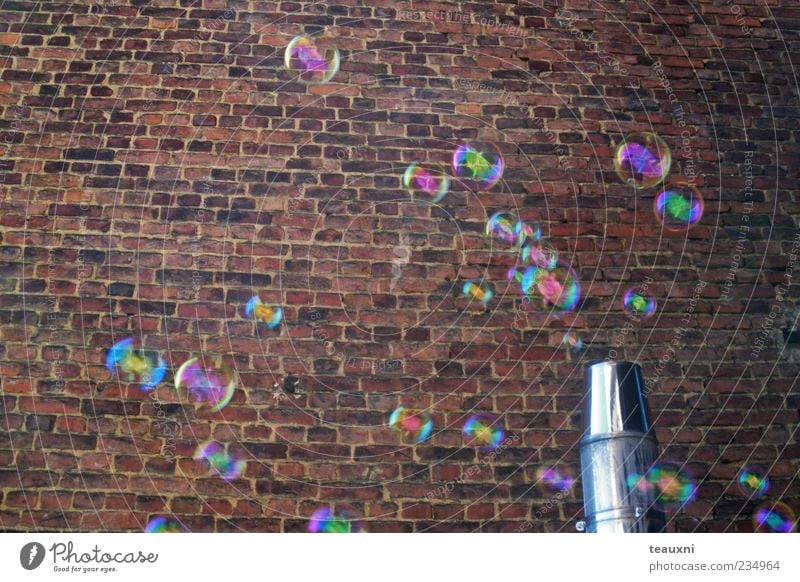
(159, 167)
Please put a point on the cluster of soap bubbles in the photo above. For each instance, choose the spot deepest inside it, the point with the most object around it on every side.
(146, 367)
(769, 517)
(477, 166)
(670, 485)
(481, 430)
(644, 160)
(221, 461)
(324, 520)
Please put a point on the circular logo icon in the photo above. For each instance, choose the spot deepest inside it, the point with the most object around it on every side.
(31, 555)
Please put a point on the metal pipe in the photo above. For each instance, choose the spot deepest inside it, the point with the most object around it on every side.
(618, 440)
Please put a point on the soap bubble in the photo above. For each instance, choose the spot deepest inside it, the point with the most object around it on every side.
(638, 303)
(642, 160)
(554, 480)
(679, 207)
(412, 425)
(270, 315)
(572, 342)
(222, 462)
(310, 62)
(540, 254)
(483, 431)
(422, 182)
(502, 227)
(556, 288)
(670, 484)
(515, 275)
(753, 481)
(162, 524)
(478, 290)
(214, 386)
(774, 518)
(147, 367)
(479, 166)
(324, 521)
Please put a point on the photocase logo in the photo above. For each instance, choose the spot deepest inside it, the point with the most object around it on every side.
(403, 256)
(31, 555)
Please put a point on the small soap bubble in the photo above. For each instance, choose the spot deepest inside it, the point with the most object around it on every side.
(478, 166)
(642, 160)
(221, 461)
(753, 481)
(163, 524)
(324, 521)
(572, 342)
(424, 183)
(774, 518)
(515, 275)
(554, 480)
(501, 227)
(412, 425)
(213, 386)
(310, 62)
(478, 290)
(638, 303)
(679, 207)
(269, 315)
(483, 430)
(146, 367)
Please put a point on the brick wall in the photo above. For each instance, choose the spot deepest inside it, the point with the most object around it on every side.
(159, 167)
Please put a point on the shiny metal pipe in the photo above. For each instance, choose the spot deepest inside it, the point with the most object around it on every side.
(617, 441)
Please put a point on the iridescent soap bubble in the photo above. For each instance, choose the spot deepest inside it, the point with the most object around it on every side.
(478, 166)
(163, 524)
(679, 207)
(221, 461)
(557, 288)
(324, 521)
(213, 386)
(483, 430)
(270, 315)
(670, 484)
(502, 227)
(572, 342)
(147, 367)
(638, 303)
(753, 481)
(554, 480)
(478, 290)
(774, 518)
(515, 275)
(540, 254)
(422, 182)
(642, 160)
(412, 425)
(311, 63)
